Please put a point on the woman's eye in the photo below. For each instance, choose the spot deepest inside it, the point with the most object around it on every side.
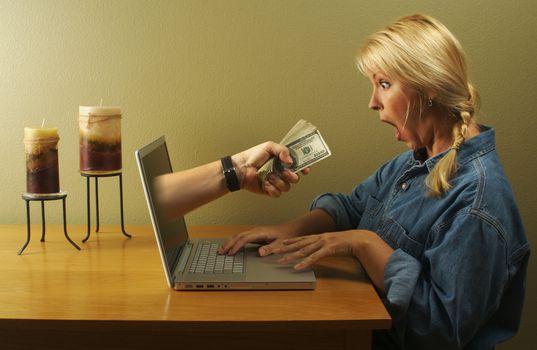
(384, 84)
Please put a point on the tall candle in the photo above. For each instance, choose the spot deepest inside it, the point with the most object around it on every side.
(41, 150)
(100, 139)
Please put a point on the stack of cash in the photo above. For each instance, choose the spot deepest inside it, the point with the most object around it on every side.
(306, 147)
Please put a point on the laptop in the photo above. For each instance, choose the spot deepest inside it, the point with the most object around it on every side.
(193, 264)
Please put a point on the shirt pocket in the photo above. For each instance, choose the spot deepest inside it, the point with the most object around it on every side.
(397, 237)
(372, 216)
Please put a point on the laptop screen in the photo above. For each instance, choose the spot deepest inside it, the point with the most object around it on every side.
(153, 160)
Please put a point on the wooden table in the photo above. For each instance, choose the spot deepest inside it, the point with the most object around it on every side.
(113, 295)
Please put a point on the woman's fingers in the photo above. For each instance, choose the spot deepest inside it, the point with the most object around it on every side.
(238, 241)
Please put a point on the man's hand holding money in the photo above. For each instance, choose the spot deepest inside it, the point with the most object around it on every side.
(247, 164)
(305, 145)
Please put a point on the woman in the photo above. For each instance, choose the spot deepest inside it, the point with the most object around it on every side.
(436, 228)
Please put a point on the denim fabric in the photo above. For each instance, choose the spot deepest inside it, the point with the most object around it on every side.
(456, 279)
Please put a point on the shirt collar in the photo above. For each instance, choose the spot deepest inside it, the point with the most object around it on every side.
(470, 149)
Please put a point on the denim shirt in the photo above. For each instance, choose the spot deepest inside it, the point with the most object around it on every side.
(457, 276)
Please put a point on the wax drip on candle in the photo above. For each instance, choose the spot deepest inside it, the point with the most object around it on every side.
(43, 123)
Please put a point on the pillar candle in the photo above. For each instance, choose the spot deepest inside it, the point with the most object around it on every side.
(100, 139)
(41, 149)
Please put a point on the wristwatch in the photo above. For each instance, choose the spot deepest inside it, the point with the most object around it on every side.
(232, 181)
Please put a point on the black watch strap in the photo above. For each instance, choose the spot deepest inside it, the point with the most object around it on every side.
(232, 181)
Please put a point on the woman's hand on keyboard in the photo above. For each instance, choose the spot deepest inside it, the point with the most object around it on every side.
(270, 238)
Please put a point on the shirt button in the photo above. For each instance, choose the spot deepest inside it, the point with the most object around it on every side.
(404, 186)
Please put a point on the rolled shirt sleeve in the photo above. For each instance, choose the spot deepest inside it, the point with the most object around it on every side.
(400, 278)
(440, 300)
(340, 208)
(345, 209)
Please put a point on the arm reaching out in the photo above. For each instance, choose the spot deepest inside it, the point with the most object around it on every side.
(181, 192)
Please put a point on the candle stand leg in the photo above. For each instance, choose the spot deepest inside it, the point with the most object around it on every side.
(88, 208)
(43, 221)
(65, 226)
(31, 197)
(97, 203)
(121, 205)
(27, 227)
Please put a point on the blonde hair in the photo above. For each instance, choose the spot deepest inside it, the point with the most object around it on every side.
(424, 55)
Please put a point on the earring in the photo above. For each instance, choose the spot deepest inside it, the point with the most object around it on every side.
(430, 102)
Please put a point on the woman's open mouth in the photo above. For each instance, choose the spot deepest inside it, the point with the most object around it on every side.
(397, 132)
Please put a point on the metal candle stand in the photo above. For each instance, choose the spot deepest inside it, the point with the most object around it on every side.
(28, 197)
(97, 176)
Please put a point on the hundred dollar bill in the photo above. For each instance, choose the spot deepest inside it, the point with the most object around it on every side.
(306, 147)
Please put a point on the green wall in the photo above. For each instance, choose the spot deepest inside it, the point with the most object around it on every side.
(218, 76)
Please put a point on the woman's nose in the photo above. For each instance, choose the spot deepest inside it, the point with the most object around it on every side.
(374, 104)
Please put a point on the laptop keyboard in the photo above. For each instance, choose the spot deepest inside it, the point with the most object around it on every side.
(207, 260)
